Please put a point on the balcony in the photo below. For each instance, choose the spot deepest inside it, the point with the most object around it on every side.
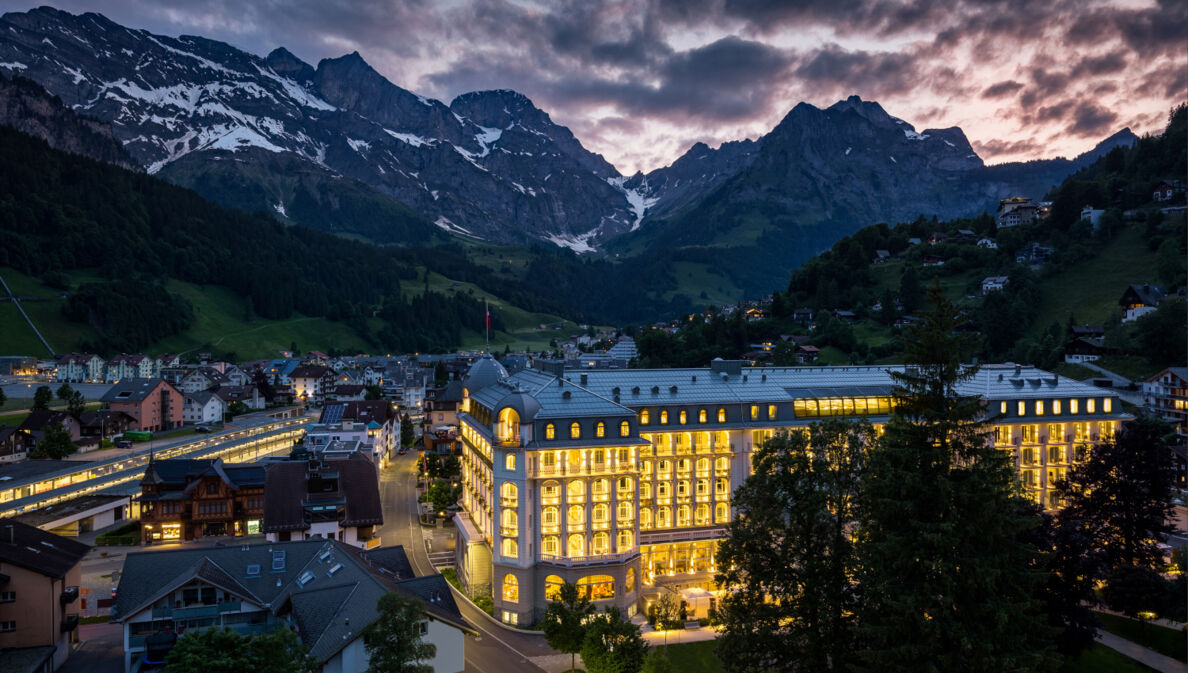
(571, 470)
(69, 595)
(591, 560)
(506, 531)
(230, 606)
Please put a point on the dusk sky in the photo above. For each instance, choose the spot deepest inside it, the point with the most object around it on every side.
(640, 81)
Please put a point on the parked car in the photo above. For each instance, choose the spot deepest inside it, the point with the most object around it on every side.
(202, 428)
(124, 444)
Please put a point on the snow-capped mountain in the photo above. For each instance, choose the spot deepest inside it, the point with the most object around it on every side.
(490, 165)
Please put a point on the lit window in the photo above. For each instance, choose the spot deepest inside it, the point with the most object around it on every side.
(1056, 407)
(575, 491)
(721, 513)
(722, 414)
(575, 430)
(600, 544)
(577, 515)
(510, 548)
(509, 494)
(509, 462)
(624, 429)
(629, 585)
(510, 521)
(1107, 405)
(577, 545)
(1090, 405)
(684, 515)
(664, 417)
(722, 464)
(684, 417)
(683, 488)
(664, 517)
(1002, 435)
(771, 412)
(548, 516)
(550, 544)
(626, 540)
(511, 589)
(1002, 407)
(1072, 406)
(596, 587)
(1022, 410)
(600, 429)
(644, 417)
(553, 588)
(701, 415)
(702, 518)
(1039, 407)
(722, 487)
(625, 512)
(550, 431)
(754, 412)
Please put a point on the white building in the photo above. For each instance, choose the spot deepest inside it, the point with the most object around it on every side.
(1092, 214)
(993, 283)
(76, 368)
(296, 585)
(203, 407)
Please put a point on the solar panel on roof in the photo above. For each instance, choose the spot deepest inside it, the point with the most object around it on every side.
(333, 413)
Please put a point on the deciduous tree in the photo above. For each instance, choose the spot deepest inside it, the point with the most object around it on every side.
(613, 644)
(393, 641)
(56, 444)
(565, 621)
(42, 397)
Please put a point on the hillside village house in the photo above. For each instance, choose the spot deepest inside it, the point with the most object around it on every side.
(1166, 394)
(124, 366)
(248, 396)
(76, 368)
(203, 407)
(201, 378)
(373, 423)
(993, 283)
(1166, 190)
(152, 403)
(1139, 300)
(312, 383)
(39, 578)
(15, 444)
(99, 424)
(1092, 215)
(620, 480)
(325, 591)
(1015, 211)
(329, 498)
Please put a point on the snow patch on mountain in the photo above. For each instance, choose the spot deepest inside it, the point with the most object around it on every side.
(410, 139)
(636, 200)
(577, 244)
(445, 223)
(13, 65)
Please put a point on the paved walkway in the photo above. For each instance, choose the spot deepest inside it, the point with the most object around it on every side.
(1141, 654)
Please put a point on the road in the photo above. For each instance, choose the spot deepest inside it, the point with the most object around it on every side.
(498, 650)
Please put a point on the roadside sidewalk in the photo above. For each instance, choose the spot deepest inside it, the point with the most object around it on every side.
(1141, 654)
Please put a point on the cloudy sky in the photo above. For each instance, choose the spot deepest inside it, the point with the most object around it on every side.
(641, 80)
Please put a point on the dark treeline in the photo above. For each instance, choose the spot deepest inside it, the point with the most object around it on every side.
(128, 316)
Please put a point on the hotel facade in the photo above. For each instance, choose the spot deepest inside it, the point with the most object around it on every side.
(620, 480)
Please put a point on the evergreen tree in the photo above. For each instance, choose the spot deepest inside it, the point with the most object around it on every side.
(76, 404)
(948, 583)
(613, 644)
(788, 558)
(224, 651)
(911, 293)
(565, 621)
(1072, 566)
(374, 392)
(267, 390)
(394, 642)
(440, 376)
(407, 435)
(41, 398)
(64, 392)
(56, 444)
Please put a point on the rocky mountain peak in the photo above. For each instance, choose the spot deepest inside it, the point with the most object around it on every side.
(285, 64)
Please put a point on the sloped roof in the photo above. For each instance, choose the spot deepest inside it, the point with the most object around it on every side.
(34, 549)
(285, 489)
(133, 390)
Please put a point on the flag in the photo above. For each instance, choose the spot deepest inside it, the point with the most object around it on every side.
(487, 308)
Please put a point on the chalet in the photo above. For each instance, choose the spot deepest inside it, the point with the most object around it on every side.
(202, 378)
(248, 395)
(39, 604)
(993, 284)
(167, 360)
(203, 407)
(1015, 211)
(154, 404)
(334, 499)
(37, 421)
(1166, 395)
(99, 424)
(15, 444)
(933, 260)
(124, 366)
(807, 354)
(966, 235)
(842, 314)
(1166, 190)
(755, 313)
(1139, 300)
(190, 499)
(1085, 349)
(881, 256)
(324, 591)
(77, 368)
(937, 237)
(348, 392)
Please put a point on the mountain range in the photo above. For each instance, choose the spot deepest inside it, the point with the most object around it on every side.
(338, 147)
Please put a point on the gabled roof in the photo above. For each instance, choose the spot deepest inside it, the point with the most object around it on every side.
(1149, 295)
(310, 372)
(133, 390)
(34, 549)
(286, 492)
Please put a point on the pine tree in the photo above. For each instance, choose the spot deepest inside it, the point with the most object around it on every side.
(948, 583)
(788, 558)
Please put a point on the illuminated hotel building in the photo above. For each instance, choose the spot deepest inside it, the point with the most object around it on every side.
(619, 480)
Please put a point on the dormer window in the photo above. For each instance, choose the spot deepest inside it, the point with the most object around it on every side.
(701, 415)
(624, 429)
(664, 417)
(600, 429)
(575, 430)
(684, 417)
(644, 417)
(550, 431)
(721, 414)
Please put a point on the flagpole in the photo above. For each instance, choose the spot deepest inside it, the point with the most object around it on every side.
(487, 324)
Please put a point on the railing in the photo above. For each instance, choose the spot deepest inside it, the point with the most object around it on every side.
(230, 606)
(567, 470)
(593, 559)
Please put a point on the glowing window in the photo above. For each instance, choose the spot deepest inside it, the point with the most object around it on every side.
(550, 545)
(702, 518)
(1072, 406)
(553, 588)
(1090, 405)
(722, 414)
(550, 431)
(754, 412)
(645, 517)
(663, 489)
(597, 587)
(509, 494)
(1002, 407)
(701, 416)
(702, 487)
(626, 540)
(629, 584)
(548, 516)
(1056, 407)
(1107, 405)
(575, 491)
(511, 589)
(510, 520)
(771, 411)
(722, 464)
(577, 515)
(601, 487)
(722, 486)
(575, 430)
(664, 417)
(721, 513)
(1022, 408)
(624, 429)
(600, 429)
(1039, 407)
(601, 513)
(509, 462)
(683, 515)
(684, 416)
(683, 488)
(664, 517)
(511, 549)
(577, 545)
(644, 417)
(625, 511)
(600, 544)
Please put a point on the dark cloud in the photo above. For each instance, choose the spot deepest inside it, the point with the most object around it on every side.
(1022, 146)
(1105, 64)
(1092, 121)
(1001, 89)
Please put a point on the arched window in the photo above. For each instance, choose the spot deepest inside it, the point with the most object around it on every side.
(509, 495)
(664, 517)
(663, 489)
(511, 589)
(664, 467)
(550, 431)
(511, 549)
(701, 415)
(625, 485)
(645, 490)
(722, 464)
(702, 517)
(600, 487)
(703, 488)
(722, 486)
(508, 428)
(644, 417)
(600, 544)
(597, 587)
(683, 488)
(683, 515)
(684, 417)
(577, 515)
(550, 492)
(629, 584)
(510, 520)
(625, 511)
(721, 414)
(509, 462)
(577, 545)
(703, 465)
(600, 429)
(548, 516)
(575, 430)
(645, 518)
(575, 491)
(550, 545)
(553, 587)
(664, 417)
(683, 465)
(721, 512)
(624, 429)
(601, 513)
(625, 541)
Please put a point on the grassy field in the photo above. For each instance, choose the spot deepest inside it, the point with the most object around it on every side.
(1168, 642)
(1074, 371)
(694, 278)
(1090, 289)
(1131, 366)
(695, 658)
